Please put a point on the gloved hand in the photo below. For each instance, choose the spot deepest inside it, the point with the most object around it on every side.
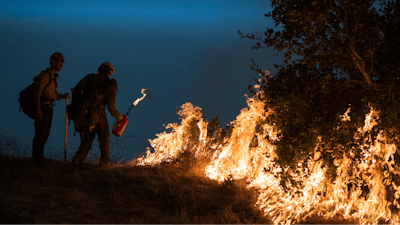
(120, 117)
(39, 114)
(66, 95)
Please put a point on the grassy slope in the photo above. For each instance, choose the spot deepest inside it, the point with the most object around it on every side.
(169, 193)
(59, 193)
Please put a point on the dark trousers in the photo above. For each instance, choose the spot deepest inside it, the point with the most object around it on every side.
(103, 136)
(42, 132)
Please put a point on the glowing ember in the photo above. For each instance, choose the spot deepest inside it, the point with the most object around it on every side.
(247, 154)
(140, 99)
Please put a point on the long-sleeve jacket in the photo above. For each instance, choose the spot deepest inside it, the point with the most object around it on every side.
(106, 96)
(46, 88)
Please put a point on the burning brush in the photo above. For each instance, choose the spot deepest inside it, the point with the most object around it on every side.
(119, 126)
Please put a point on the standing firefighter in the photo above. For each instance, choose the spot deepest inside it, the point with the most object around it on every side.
(44, 96)
(89, 99)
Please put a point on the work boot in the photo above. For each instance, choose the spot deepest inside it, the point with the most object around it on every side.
(105, 164)
(77, 164)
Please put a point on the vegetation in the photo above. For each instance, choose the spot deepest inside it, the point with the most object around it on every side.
(122, 194)
(338, 54)
(169, 193)
(176, 192)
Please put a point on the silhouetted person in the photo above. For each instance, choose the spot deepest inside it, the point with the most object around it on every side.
(45, 95)
(102, 91)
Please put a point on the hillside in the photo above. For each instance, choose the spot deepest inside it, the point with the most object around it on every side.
(123, 194)
(59, 193)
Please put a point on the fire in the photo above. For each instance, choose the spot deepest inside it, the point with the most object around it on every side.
(168, 146)
(137, 101)
(140, 99)
(359, 191)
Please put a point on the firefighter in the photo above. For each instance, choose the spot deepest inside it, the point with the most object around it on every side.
(105, 90)
(45, 94)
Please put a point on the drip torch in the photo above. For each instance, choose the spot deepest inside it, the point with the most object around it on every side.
(119, 125)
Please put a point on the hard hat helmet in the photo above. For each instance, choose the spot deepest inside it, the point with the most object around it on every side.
(109, 65)
(57, 56)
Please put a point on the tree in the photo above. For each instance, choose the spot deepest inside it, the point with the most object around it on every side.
(338, 53)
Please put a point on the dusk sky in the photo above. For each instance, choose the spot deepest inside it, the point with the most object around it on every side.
(180, 51)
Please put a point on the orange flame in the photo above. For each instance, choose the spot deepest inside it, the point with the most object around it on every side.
(239, 158)
(168, 146)
(140, 99)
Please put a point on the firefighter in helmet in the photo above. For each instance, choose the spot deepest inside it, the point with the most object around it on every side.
(98, 90)
(45, 94)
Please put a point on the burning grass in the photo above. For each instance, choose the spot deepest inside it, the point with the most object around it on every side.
(193, 174)
(167, 193)
(361, 185)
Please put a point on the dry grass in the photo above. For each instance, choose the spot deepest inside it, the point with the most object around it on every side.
(176, 193)
(169, 193)
(58, 193)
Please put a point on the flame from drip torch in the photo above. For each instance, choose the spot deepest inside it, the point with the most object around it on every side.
(140, 99)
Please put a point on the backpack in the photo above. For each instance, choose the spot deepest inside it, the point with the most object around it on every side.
(26, 98)
(83, 112)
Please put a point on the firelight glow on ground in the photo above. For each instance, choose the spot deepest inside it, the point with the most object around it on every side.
(238, 158)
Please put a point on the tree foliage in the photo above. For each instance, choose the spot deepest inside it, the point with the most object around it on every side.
(338, 54)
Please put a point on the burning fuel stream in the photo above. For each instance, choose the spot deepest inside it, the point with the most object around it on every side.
(137, 100)
(140, 99)
(239, 158)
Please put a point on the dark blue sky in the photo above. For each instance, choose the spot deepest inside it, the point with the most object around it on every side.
(180, 51)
